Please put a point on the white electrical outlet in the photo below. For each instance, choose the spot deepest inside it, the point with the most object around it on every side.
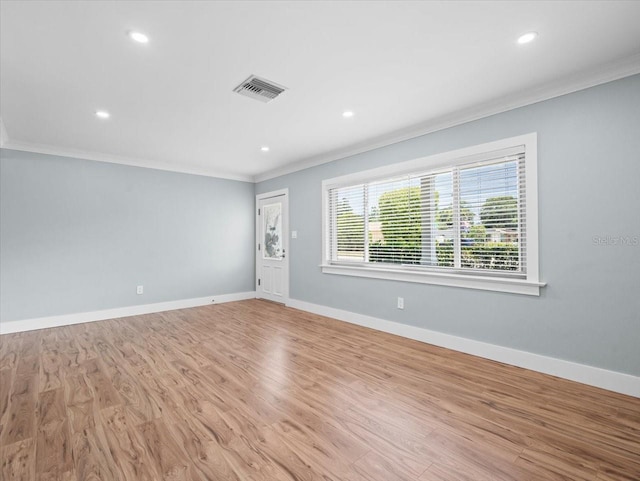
(294, 234)
(140, 290)
(400, 302)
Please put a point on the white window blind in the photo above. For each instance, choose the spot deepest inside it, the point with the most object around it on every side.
(467, 217)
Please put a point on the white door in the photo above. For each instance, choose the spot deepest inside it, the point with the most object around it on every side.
(272, 249)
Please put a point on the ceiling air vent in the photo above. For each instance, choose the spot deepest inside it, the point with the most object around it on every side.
(259, 89)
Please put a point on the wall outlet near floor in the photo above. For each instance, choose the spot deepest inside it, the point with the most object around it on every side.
(294, 234)
(140, 290)
(400, 302)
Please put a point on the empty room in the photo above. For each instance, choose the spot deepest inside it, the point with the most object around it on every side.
(319, 240)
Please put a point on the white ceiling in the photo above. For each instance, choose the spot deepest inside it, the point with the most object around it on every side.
(402, 67)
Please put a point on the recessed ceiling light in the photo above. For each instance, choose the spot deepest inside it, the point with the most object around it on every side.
(527, 37)
(102, 114)
(264, 148)
(139, 37)
(347, 113)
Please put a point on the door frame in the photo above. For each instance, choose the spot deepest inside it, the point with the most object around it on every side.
(258, 240)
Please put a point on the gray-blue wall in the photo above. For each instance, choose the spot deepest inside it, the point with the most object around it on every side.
(589, 185)
(79, 236)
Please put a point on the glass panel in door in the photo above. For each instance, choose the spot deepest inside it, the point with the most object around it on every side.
(272, 229)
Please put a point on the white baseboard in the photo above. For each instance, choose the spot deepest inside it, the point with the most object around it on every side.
(593, 376)
(65, 320)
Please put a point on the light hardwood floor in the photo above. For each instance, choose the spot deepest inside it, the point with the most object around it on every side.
(256, 391)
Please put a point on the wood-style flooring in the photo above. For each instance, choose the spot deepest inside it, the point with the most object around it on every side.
(257, 391)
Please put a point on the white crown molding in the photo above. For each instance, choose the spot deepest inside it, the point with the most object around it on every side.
(613, 71)
(593, 376)
(101, 157)
(607, 73)
(4, 136)
(9, 327)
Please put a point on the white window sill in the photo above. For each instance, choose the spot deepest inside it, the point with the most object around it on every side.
(515, 286)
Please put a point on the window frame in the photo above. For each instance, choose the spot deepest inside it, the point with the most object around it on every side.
(493, 281)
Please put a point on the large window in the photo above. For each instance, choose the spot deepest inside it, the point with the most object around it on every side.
(465, 218)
